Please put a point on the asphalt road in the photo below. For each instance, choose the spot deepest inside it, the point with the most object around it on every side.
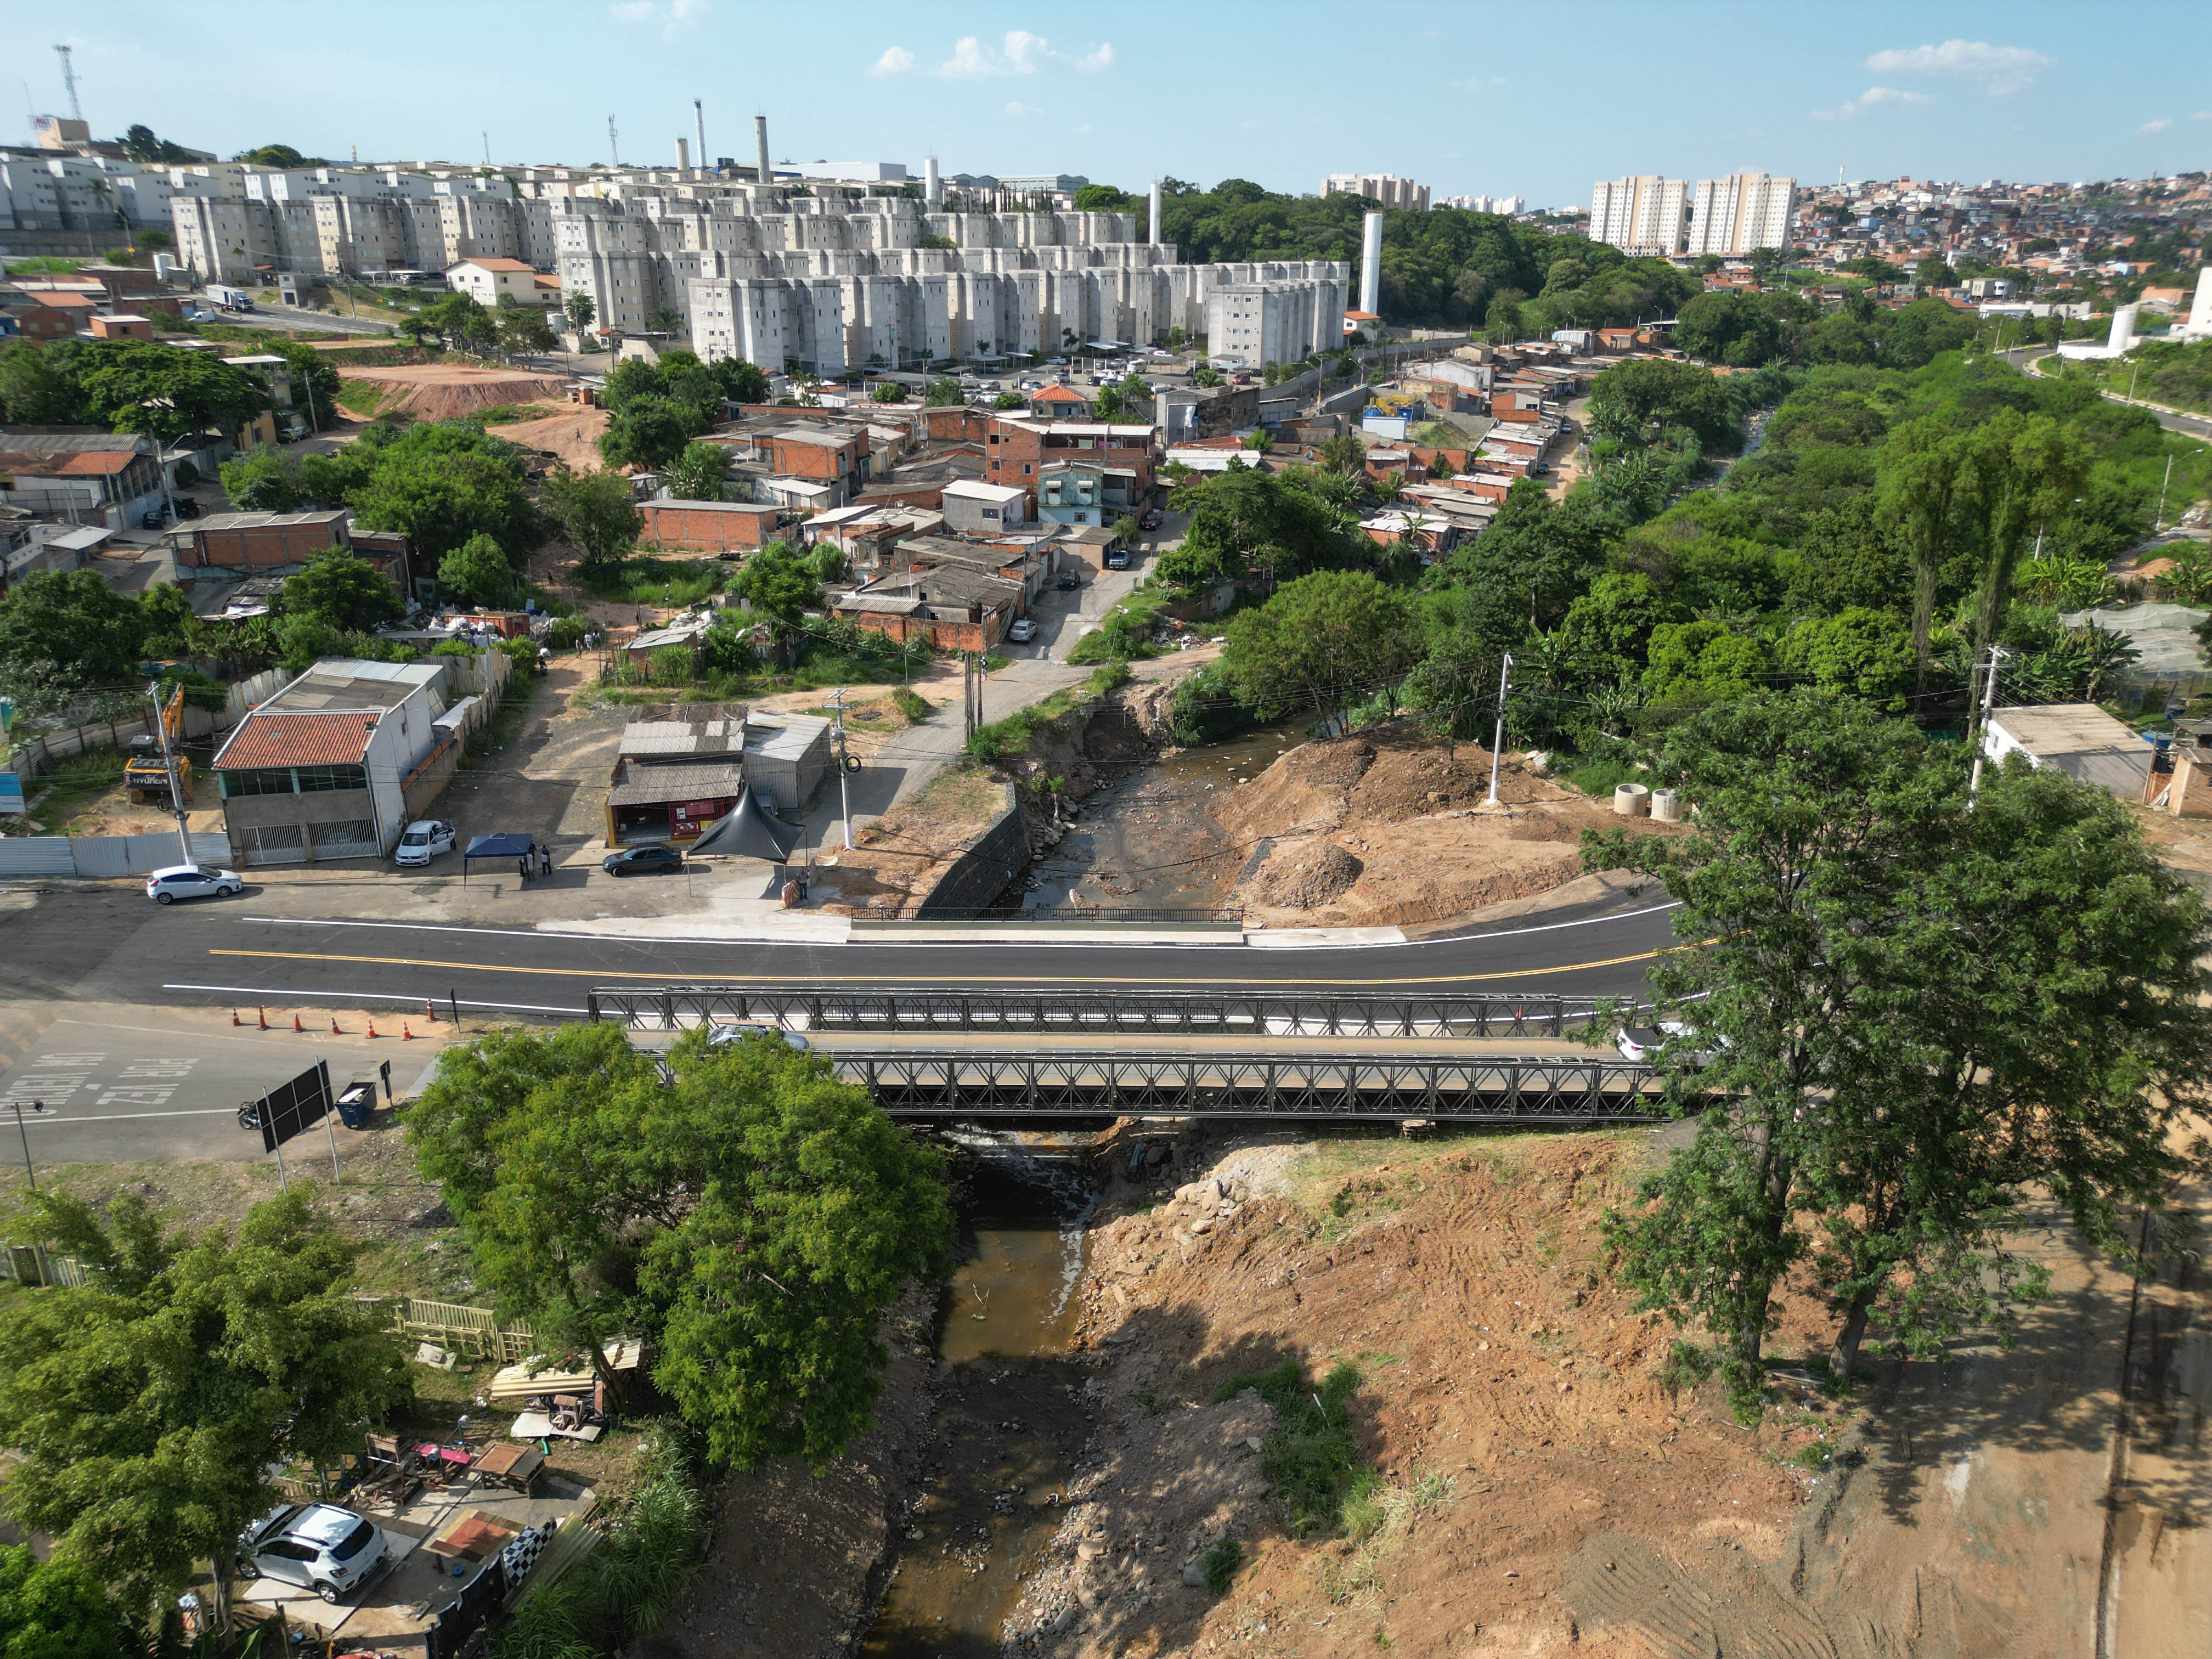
(2190, 426)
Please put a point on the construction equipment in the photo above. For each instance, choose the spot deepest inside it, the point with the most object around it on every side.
(146, 773)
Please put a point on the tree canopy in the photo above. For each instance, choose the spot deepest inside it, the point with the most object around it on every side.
(64, 633)
(441, 482)
(595, 511)
(1318, 641)
(342, 590)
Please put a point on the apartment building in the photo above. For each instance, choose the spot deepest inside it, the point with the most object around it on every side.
(1508, 205)
(1386, 188)
(1640, 214)
(1743, 212)
(1278, 322)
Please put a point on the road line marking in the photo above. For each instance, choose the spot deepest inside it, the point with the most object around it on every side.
(56, 1122)
(664, 977)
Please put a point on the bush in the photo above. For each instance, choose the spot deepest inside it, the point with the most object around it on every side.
(1312, 1456)
(917, 708)
(1221, 1564)
(568, 633)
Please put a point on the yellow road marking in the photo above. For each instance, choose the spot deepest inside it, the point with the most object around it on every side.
(931, 979)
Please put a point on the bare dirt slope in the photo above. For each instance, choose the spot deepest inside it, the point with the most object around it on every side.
(572, 436)
(444, 391)
(1385, 827)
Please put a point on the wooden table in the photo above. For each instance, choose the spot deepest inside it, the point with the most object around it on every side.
(512, 1464)
(471, 1536)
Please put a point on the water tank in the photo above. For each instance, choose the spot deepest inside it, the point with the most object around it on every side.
(1631, 800)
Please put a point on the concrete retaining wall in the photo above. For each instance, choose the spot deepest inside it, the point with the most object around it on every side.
(980, 873)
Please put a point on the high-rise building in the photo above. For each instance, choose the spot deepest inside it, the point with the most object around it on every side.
(1386, 188)
(1640, 214)
(1508, 205)
(1741, 212)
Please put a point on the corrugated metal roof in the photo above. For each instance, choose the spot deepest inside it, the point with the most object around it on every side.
(645, 785)
(265, 738)
(797, 734)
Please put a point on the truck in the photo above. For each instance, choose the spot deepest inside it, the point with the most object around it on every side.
(230, 299)
(145, 775)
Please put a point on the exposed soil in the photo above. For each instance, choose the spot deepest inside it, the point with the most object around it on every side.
(573, 435)
(900, 856)
(444, 391)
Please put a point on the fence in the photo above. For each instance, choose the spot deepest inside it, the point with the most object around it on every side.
(32, 1265)
(40, 753)
(475, 1330)
(104, 857)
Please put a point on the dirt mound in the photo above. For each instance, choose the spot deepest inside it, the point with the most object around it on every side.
(1304, 792)
(572, 436)
(445, 392)
(1510, 1401)
(1314, 874)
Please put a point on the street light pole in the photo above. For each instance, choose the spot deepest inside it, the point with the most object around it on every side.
(844, 793)
(1981, 727)
(1497, 744)
(29, 1174)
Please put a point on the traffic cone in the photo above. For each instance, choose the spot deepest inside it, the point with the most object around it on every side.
(262, 1014)
(334, 1026)
(430, 1012)
(405, 1036)
(295, 1023)
(234, 1019)
(372, 1025)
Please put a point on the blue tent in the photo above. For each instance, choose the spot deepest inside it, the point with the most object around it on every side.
(506, 844)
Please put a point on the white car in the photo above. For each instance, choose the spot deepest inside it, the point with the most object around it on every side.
(1023, 631)
(1641, 1043)
(318, 1546)
(191, 881)
(724, 1033)
(422, 841)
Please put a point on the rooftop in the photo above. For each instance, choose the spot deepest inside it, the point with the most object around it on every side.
(495, 265)
(279, 738)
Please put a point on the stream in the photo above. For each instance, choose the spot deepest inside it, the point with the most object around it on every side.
(1009, 1425)
(1147, 840)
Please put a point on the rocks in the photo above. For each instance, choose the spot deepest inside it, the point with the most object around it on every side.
(1304, 878)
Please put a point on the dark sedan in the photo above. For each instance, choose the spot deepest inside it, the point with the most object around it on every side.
(1151, 521)
(642, 860)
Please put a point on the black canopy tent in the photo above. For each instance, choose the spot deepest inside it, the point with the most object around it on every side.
(504, 844)
(747, 831)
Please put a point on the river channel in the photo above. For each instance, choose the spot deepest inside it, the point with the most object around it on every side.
(1010, 1424)
(1148, 841)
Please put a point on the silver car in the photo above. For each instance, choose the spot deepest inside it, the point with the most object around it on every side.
(191, 881)
(318, 1546)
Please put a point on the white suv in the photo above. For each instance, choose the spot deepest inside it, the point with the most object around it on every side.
(190, 881)
(318, 1546)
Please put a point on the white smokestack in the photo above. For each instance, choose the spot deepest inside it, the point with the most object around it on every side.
(682, 154)
(2124, 328)
(767, 175)
(933, 187)
(699, 115)
(1153, 210)
(1371, 264)
(2200, 307)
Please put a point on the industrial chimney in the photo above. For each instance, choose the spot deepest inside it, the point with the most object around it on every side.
(767, 175)
(933, 187)
(1371, 265)
(699, 115)
(682, 154)
(1152, 233)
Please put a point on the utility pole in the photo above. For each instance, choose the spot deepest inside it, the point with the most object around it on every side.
(29, 1174)
(169, 763)
(1497, 744)
(1980, 726)
(2158, 523)
(844, 793)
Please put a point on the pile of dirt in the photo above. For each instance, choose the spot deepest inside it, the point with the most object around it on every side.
(1318, 873)
(1512, 1401)
(899, 857)
(1407, 817)
(445, 392)
(572, 436)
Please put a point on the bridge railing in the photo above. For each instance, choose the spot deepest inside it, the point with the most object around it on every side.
(1258, 1012)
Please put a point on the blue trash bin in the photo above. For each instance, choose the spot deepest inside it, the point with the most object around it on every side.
(355, 1104)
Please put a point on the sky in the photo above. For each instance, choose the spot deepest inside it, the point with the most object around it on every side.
(1520, 99)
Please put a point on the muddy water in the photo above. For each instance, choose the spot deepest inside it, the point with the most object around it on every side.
(1148, 841)
(1009, 1426)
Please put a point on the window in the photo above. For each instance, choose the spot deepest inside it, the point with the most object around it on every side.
(270, 780)
(316, 780)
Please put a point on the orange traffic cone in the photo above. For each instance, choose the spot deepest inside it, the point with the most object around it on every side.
(430, 1012)
(234, 1019)
(405, 1036)
(334, 1026)
(262, 1014)
(372, 1025)
(295, 1023)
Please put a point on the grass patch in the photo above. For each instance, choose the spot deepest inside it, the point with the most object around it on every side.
(507, 414)
(1005, 739)
(643, 581)
(917, 708)
(1221, 1564)
(75, 783)
(365, 397)
(1599, 778)
(1125, 631)
(1312, 1456)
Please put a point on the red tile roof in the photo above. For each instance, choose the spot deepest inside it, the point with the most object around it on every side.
(1059, 394)
(495, 265)
(84, 463)
(278, 740)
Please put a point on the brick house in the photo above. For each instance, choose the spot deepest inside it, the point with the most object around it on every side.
(1059, 403)
(258, 541)
(710, 526)
(818, 455)
(1014, 450)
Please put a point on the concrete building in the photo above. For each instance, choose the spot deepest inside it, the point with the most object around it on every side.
(1508, 205)
(2078, 738)
(975, 508)
(1743, 212)
(2199, 325)
(1258, 323)
(488, 281)
(1384, 187)
(335, 764)
(1639, 214)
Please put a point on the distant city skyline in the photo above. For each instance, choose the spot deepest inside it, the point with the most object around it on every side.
(1503, 101)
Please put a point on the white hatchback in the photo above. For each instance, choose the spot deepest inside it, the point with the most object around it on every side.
(191, 881)
(422, 841)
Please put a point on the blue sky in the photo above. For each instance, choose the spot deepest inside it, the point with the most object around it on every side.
(1534, 99)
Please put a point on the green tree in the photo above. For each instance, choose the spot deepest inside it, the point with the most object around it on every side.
(2024, 471)
(699, 474)
(440, 482)
(781, 587)
(1920, 489)
(148, 1403)
(943, 391)
(164, 391)
(461, 321)
(265, 480)
(1611, 626)
(1703, 662)
(477, 572)
(887, 391)
(665, 319)
(764, 1213)
(37, 384)
(521, 330)
(1935, 271)
(578, 306)
(344, 591)
(741, 382)
(1320, 642)
(1859, 652)
(1009, 400)
(56, 1609)
(63, 633)
(315, 384)
(595, 512)
(646, 432)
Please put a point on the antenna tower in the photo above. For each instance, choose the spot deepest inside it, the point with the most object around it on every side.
(614, 149)
(68, 80)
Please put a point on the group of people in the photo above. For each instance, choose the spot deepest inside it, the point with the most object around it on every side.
(538, 860)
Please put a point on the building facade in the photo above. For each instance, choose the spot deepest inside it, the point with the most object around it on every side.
(1384, 187)
(1743, 212)
(1639, 214)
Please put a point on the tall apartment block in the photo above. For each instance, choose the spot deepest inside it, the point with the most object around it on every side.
(1741, 212)
(1640, 214)
(1383, 187)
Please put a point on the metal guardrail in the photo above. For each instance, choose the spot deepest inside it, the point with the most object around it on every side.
(1258, 1012)
(1487, 1089)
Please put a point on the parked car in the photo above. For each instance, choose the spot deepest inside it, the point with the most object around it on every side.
(1643, 1043)
(1539, 470)
(1023, 630)
(1151, 521)
(651, 857)
(1069, 582)
(187, 508)
(191, 881)
(722, 1034)
(422, 841)
(154, 517)
(319, 1546)
(1117, 558)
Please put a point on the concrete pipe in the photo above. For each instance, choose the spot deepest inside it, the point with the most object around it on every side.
(1631, 800)
(1667, 806)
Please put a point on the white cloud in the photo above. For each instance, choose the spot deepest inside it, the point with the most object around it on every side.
(1019, 52)
(2202, 115)
(2159, 126)
(2000, 68)
(1872, 98)
(672, 15)
(895, 60)
(1018, 110)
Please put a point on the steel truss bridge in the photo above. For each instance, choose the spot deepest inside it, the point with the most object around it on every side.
(1258, 1012)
